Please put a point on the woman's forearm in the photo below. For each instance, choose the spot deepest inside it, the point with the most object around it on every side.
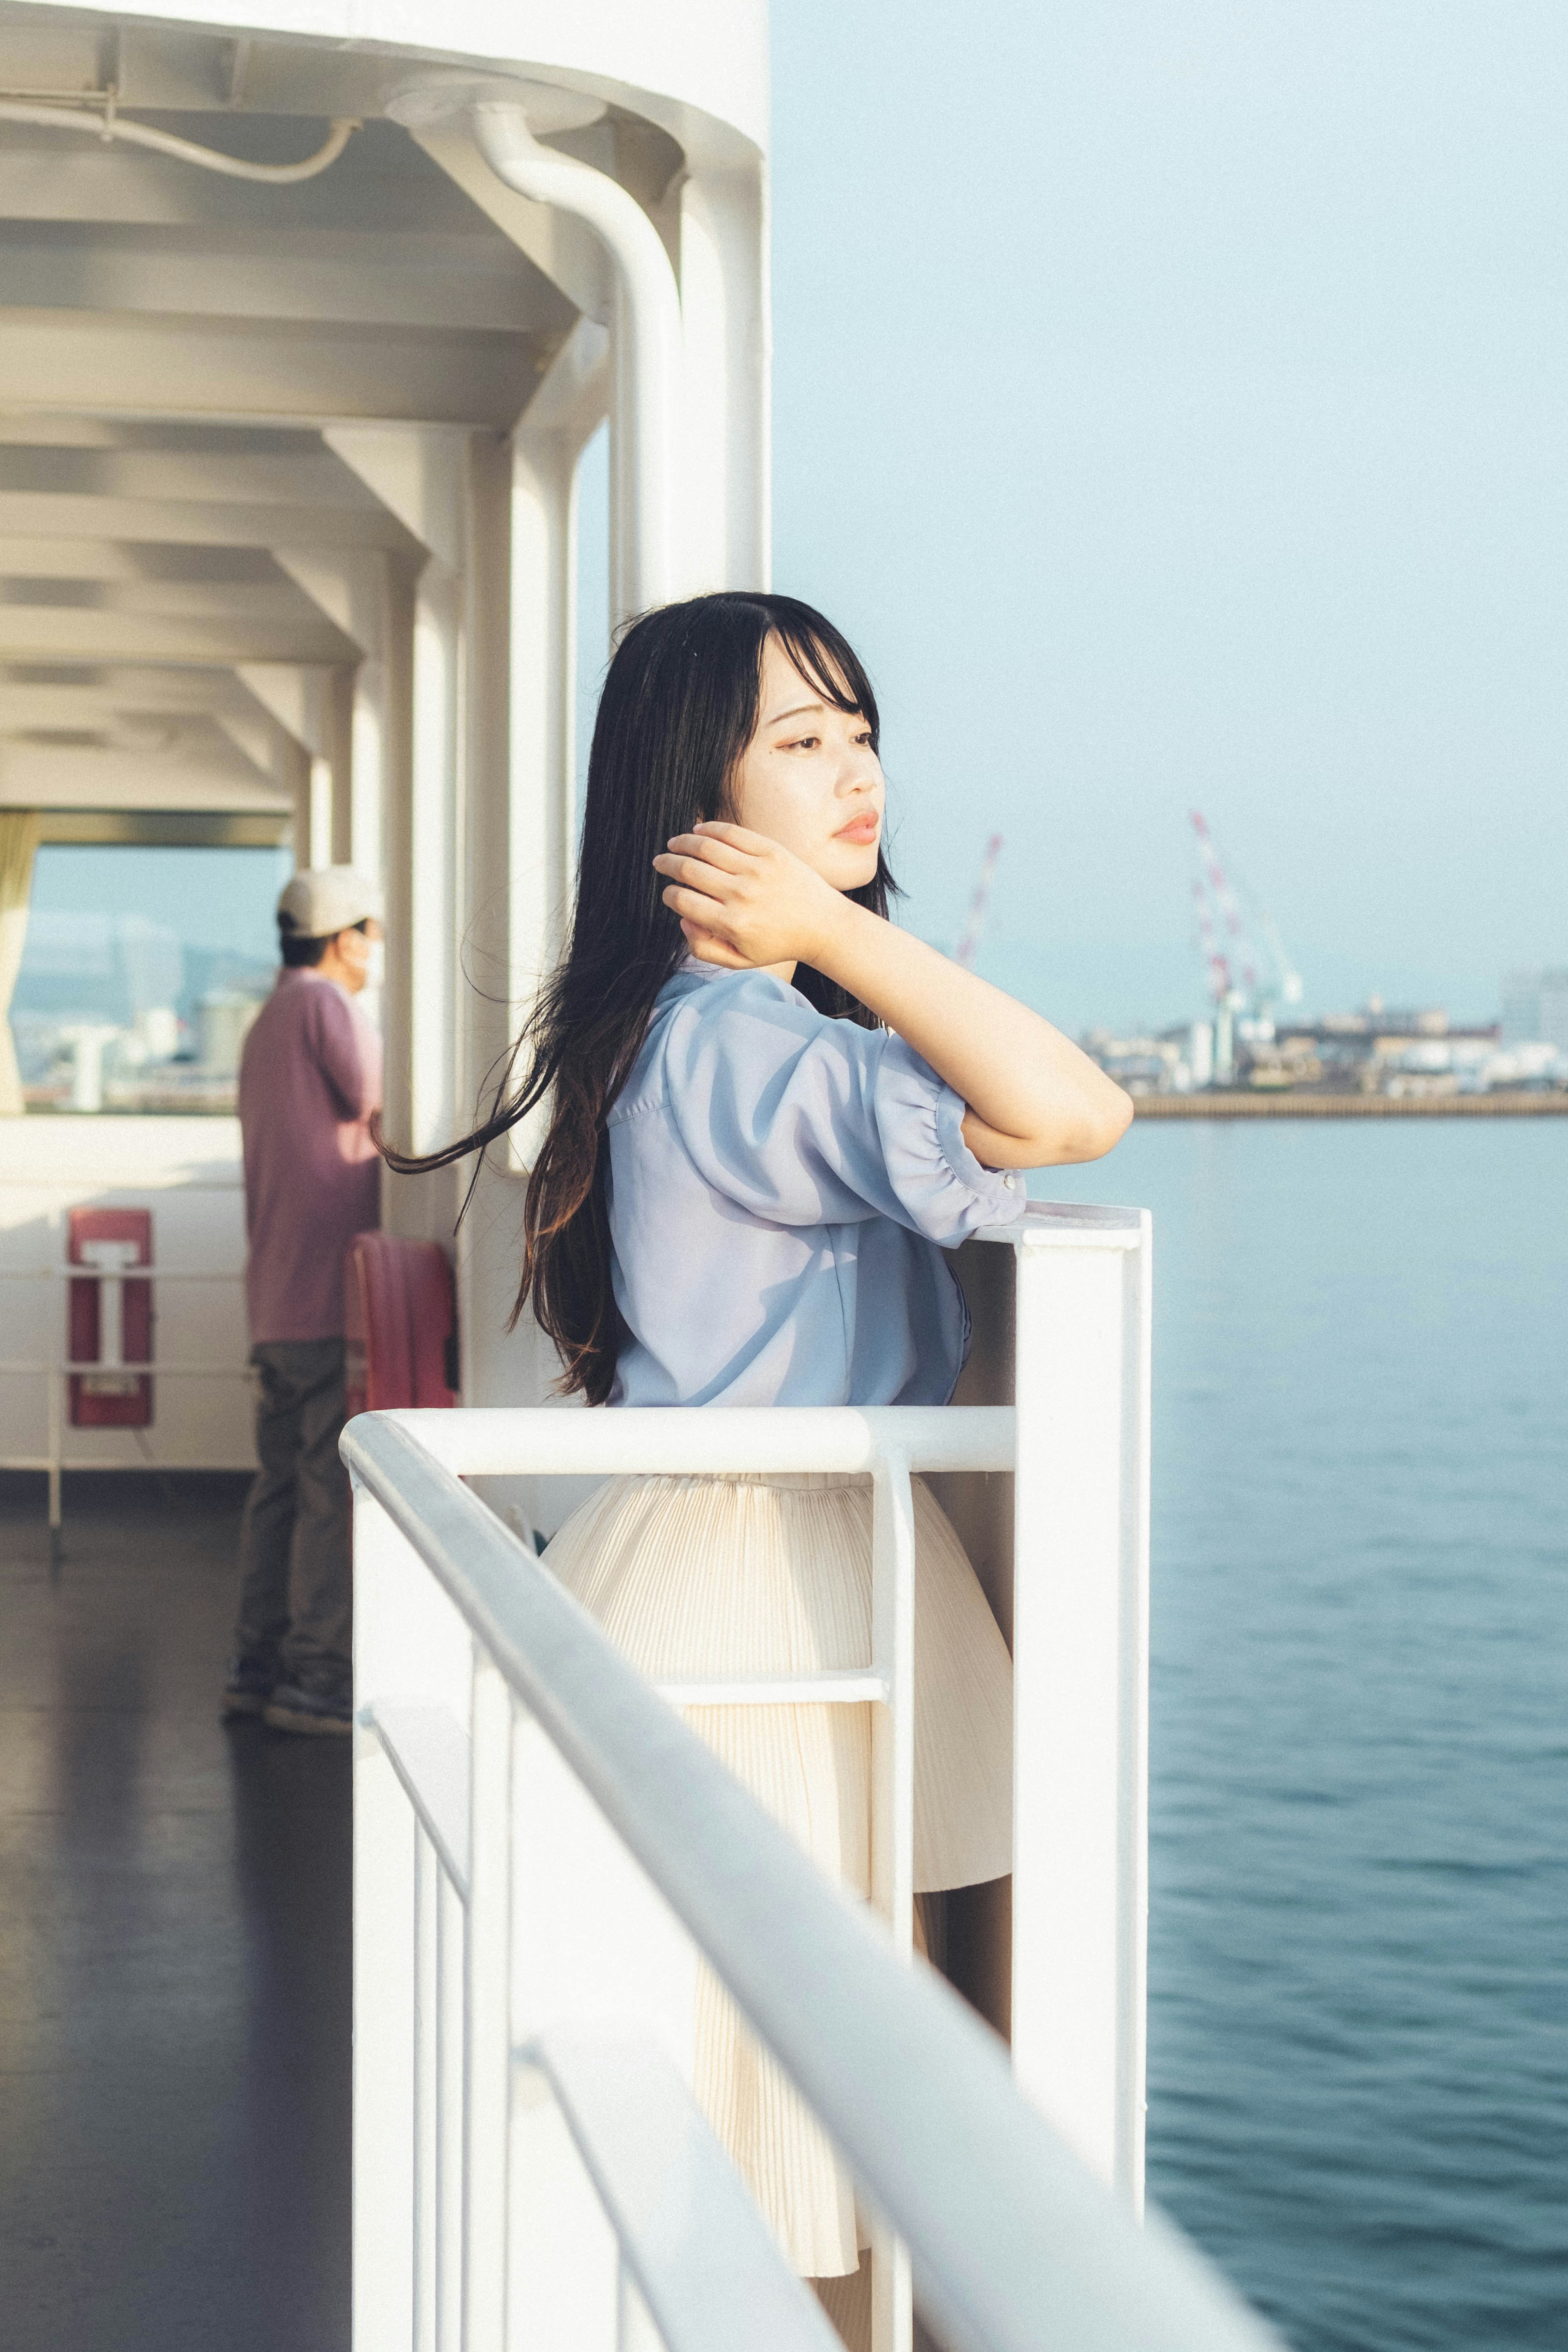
(1034, 1099)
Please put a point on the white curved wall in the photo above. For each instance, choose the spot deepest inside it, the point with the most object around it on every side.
(675, 63)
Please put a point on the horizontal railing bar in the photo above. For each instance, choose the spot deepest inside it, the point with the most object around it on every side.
(1015, 2244)
(427, 1747)
(137, 1461)
(119, 1273)
(835, 1687)
(706, 2263)
(1039, 1237)
(1068, 1216)
(171, 1371)
(650, 1439)
(1070, 1225)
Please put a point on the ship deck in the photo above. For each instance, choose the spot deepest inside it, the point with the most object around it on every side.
(174, 1949)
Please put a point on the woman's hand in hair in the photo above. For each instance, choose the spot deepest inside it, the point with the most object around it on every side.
(744, 902)
(1033, 1098)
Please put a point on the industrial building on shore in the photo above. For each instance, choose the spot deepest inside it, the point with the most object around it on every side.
(1379, 1051)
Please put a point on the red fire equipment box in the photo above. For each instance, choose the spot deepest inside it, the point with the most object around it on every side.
(109, 1318)
(401, 1324)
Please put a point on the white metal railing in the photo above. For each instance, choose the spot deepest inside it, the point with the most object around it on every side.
(542, 1850)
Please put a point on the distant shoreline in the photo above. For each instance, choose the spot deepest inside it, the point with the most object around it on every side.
(1512, 1104)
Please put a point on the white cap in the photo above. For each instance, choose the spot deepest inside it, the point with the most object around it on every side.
(322, 900)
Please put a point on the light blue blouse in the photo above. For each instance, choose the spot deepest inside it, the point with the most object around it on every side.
(781, 1189)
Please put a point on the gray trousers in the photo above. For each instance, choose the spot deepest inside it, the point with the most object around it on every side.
(297, 1594)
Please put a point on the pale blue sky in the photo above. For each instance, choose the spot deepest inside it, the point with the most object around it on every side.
(1169, 403)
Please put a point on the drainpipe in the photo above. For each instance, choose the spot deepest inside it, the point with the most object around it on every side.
(649, 321)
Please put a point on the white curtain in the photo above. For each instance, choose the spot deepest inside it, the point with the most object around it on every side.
(18, 840)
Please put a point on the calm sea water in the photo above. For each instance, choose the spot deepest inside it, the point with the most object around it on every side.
(1359, 1936)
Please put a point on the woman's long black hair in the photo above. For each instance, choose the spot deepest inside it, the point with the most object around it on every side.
(680, 705)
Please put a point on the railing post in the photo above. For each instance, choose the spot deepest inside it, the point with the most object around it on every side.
(590, 1938)
(450, 1967)
(384, 1934)
(487, 2056)
(1081, 1662)
(892, 1814)
(426, 2091)
(893, 1725)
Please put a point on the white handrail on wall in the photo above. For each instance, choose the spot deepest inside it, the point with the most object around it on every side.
(542, 1847)
(57, 1370)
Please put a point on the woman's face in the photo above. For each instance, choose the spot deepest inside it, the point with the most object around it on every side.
(808, 777)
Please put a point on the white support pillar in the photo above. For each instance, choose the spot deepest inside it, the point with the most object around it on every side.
(397, 810)
(435, 823)
(530, 841)
(484, 1020)
(292, 766)
(1080, 1623)
(546, 446)
(484, 1012)
(725, 485)
(350, 586)
(421, 474)
(319, 850)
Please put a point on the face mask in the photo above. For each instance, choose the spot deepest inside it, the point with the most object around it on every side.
(376, 963)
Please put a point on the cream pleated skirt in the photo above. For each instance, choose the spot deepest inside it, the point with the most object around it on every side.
(763, 1575)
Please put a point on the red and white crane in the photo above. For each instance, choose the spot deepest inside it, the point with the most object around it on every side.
(975, 921)
(1233, 977)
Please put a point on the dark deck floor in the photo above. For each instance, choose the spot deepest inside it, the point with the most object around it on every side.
(174, 1950)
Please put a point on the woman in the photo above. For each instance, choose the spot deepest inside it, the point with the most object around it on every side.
(769, 1113)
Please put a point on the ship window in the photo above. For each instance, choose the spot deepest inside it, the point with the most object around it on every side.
(142, 970)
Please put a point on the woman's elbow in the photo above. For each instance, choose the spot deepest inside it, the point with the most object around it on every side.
(1101, 1125)
(1064, 1135)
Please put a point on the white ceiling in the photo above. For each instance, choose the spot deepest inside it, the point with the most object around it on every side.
(173, 345)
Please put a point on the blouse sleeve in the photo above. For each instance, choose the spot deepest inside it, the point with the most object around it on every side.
(805, 1121)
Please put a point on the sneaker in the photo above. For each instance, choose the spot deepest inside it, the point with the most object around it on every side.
(249, 1685)
(300, 1706)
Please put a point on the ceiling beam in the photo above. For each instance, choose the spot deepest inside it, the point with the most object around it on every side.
(349, 586)
(172, 486)
(362, 280)
(167, 828)
(180, 463)
(192, 523)
(136, 562)
(40, 695)
(271, 605)
(162, 366)
(419, 474)
(76, 634)
(298, 698)
(46, 775)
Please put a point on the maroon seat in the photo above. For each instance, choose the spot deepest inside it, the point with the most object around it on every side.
(401, 1322)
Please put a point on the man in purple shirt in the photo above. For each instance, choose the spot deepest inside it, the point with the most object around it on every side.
(309, 1082)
